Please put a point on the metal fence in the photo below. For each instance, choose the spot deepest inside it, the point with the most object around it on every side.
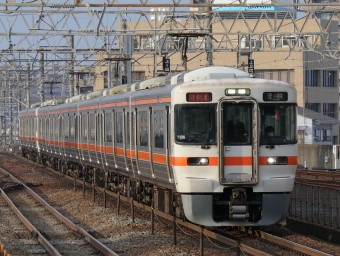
(316, 204)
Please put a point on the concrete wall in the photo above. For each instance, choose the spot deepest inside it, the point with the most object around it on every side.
(315, 155)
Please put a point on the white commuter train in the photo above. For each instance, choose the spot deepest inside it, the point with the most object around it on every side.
(212, 144)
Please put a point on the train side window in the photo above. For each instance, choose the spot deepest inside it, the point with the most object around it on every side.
(92, 128)
(119, 127)
(72, 128)
(56, 127)
(128, 128)
(28, 126)
(132, 129)
(51, 128)
(42, 125)
(47, 128)
(66, 127)
(158, 128)
(84, 126)
(98, 126)
(143, 128)
(76, 125)
(32, 126)
(108, 127)
(35, 126)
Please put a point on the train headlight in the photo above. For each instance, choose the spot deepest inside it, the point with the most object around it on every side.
(198, 161)
(277, 160)
(232, 92)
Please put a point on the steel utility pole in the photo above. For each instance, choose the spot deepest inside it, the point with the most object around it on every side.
(28, 96)
(208, 43)
(42, 76)
(71, 71)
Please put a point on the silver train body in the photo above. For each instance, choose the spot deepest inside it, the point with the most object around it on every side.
(212, 144)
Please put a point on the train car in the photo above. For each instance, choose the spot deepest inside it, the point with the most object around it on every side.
(212, 145)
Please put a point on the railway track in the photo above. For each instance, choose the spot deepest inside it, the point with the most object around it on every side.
(57, 234)
(319, 178)
(253, 243)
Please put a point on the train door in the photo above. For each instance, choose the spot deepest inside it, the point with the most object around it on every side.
(85, 136)
(55, 131)
(130, 140)
(52, 134)
(72, 136)
(99, 149)
(103, 139)
(144, 148)
(119, 140)
(78, 137)
(61, 136)
(48, 138)
(110, 156)
(92, 137)
(239, 147)
(159, 145)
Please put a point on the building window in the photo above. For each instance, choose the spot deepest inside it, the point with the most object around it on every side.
(328, 135)
(289, 41)
(329, 109)
(311, 77)
(328, 78)
(281, 75)
(138, 76)
(323, 135)
(313, 106)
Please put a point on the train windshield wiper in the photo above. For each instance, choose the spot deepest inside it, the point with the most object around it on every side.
(205, 146)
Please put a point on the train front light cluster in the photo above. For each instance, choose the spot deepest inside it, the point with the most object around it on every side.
(198, 161)
(237, 92)
(277, 160)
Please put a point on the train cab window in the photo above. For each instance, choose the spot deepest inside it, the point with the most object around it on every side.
(92, 127)
(281, 120)
(84, 127)
(108, 127)
(195, 123)
(158, 128)
(237, 118)
(119, 127)
(143, 128)
(72, 128)
(66, 127)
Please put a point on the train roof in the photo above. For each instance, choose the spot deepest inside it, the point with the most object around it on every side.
(200, 74)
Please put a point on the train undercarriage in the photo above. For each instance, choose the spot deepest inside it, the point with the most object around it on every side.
(163, 199)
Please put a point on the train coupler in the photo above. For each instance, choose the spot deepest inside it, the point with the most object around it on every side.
(238, 208)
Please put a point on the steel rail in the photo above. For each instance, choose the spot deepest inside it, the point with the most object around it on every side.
(93, 241)
(285, 243)
(48, 247)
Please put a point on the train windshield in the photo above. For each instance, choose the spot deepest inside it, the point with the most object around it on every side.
(278, 124)
(195, 124)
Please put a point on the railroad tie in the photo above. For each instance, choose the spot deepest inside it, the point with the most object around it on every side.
(3, 252)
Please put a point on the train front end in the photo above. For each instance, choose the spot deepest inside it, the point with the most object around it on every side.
(234, 150)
